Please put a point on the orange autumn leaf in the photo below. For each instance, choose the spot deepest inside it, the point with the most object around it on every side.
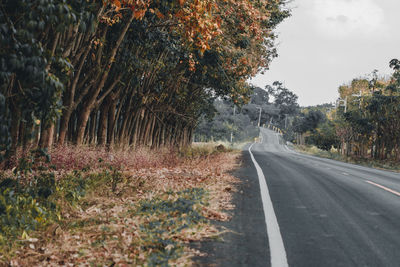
(159, 14)
(117, 3)
(138, 14)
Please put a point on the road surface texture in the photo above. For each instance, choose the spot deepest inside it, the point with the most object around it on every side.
(319, 212)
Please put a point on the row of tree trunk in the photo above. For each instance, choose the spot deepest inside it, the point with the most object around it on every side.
(102, 104)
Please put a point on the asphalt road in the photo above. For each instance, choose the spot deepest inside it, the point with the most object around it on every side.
(328, 213)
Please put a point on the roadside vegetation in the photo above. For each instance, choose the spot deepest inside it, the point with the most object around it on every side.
(99, 101)
(362, 128)
(135, 208)
(336, 155)
(125, 73)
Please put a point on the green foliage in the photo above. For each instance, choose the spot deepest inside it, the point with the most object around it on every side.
(110, 178)
(285, 100)
(73, 187)
(26, 208)
(29, 207)
(68, 62)
(202, 150)
(308, 121)
(32, 161)
(225, 123)
(371, 124)
(325, 137)
(29, 89)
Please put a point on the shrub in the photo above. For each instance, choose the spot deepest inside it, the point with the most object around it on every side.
(26, 208)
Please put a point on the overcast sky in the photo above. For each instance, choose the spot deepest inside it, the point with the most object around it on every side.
(326, 43)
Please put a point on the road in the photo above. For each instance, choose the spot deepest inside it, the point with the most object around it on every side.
(328, 213)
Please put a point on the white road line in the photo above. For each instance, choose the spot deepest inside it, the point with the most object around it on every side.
(277, 249)
(384, 188)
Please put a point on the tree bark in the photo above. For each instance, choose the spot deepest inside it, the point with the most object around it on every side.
(69, 102)
(89, 105)
(46, 139)
(112, 117)
(102, 129)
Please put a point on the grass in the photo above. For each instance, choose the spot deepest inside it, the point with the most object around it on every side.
(122, 208)
(211, 146)
(333, 154)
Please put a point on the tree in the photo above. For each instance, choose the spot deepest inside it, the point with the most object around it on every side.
(370, 126)
(125, 72)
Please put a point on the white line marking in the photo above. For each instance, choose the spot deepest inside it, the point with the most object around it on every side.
(277, 249)
(345, 173)
(384, 188)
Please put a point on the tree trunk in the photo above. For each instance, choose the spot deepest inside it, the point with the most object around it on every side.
(89, 105)
(112, 117)
(102, 129)
(93, 125)
(15, 121)
(69, 102)
(46, 138)
(64, 126)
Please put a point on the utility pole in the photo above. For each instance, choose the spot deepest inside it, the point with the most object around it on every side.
(234, 111)
(342, 102)
(286, 115)
(358, 95)
(259, 117)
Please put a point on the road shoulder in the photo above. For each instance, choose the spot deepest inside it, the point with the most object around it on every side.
(245, 243)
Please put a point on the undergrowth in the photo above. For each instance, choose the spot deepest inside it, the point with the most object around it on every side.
(141, 215)
(25, 208)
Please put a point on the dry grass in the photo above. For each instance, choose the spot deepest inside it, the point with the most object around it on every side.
(73, 158)
(109, 228)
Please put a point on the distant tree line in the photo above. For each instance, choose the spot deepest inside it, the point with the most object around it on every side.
(125, 72)
(365, 122)
(276, 103)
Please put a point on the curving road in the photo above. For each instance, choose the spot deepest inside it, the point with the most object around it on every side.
(328, 213)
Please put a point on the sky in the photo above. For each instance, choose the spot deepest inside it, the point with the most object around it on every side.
(327, 43)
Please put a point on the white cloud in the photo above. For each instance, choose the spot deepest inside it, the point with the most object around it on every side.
(343, 18)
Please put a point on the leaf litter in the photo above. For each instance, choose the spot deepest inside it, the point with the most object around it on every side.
(148, 219)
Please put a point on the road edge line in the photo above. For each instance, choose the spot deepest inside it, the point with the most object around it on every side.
(394, 192)
(276, 246)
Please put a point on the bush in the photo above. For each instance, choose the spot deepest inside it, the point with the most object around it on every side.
(26, 208)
